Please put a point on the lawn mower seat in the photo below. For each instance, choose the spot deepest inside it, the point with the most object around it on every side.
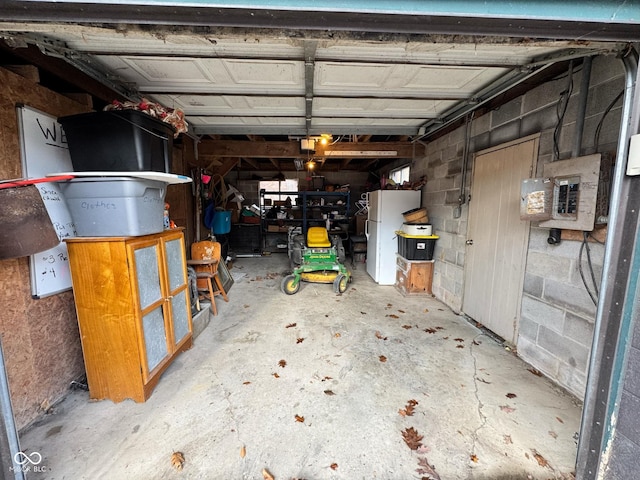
(317, 237)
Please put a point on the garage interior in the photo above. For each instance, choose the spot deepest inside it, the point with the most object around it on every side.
(436, 92)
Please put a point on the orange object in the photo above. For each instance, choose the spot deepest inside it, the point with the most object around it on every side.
(205, 258)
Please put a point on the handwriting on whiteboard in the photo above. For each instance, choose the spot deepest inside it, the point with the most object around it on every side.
(52, 133)
(50, 261)
(51, 195)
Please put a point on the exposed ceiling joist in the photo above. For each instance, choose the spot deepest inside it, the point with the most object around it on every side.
(235, 148)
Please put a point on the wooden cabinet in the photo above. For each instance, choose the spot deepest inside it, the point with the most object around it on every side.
(414, 277)
(133, 310)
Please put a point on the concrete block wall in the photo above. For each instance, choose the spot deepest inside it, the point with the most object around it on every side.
(557, 317)
(556, 324)
(443, 168)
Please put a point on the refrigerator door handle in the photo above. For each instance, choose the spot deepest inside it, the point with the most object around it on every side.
(366, 228)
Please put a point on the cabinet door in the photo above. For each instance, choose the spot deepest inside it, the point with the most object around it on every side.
(154, 330)
(177, 283)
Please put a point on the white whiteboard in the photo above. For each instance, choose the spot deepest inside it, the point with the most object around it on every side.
(44, 151)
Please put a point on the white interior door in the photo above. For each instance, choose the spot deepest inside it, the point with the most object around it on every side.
(497, 239)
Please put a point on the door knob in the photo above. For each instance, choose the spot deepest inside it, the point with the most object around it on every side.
(469, 242)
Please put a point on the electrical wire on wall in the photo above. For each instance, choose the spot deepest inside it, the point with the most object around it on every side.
(596, 138)
(585, 247)
(561, 110)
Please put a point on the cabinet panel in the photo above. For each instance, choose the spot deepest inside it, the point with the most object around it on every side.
(180, 308)
(175, 266)
(148, 275)
(155, 338)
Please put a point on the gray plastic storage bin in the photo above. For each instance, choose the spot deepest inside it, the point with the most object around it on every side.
(115, 206)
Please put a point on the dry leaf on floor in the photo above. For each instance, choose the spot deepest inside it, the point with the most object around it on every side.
(392, 315)
(329, 392)
(379, 335)
(553, 434)
(246, 306)
(334, 466)
(299, 418)
(46, 406)
(408, 409)
(445, 338)
(177, 460)
(407, 327)
(327, 378)
(389, 305)
(439, 328)
(474, 458)
(246, 383)
(475, 342)
(559, 419)
(291, 325)
(507, 408)
(282, 363)
(243, 452)
(459, 346)
(266, 475)
(363, 313)
(536, 372)
(540, 459)
(337, 335)
(426, 469)
(483, 380)
(511, 395)
(430, 330)
(458, 339)
(412, 438)
(382, 358)
(426, 310)
(401, 311)
(300, 340)
(275, 375)
(507, 439)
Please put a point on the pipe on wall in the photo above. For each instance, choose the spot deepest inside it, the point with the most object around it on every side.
(613, 317)
(582, 106)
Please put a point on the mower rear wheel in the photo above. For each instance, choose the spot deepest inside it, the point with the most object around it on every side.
(287, 285)
(340, 283)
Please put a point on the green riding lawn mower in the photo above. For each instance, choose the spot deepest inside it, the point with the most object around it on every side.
(319, 263)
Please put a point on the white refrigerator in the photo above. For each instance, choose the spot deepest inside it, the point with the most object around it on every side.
(385, 217)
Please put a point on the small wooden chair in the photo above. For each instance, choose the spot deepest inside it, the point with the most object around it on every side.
(205, 258)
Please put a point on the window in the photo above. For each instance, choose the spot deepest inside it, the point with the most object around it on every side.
(285, 187)
(400, 175)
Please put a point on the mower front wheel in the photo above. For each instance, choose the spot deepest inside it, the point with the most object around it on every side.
(289, 286)
(340, 283)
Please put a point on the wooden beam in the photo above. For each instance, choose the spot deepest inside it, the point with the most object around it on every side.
(228, 164)
(291, 149)
(27, 71)
(251, 162)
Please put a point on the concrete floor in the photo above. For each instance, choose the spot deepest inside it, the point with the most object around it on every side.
(316, 386)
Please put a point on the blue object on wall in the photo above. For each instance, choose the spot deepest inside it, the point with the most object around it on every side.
(221, 222)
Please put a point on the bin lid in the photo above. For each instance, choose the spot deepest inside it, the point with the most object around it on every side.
(169, 178)
(406, 235)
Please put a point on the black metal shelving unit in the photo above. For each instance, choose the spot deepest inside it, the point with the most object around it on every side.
(309, 204)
